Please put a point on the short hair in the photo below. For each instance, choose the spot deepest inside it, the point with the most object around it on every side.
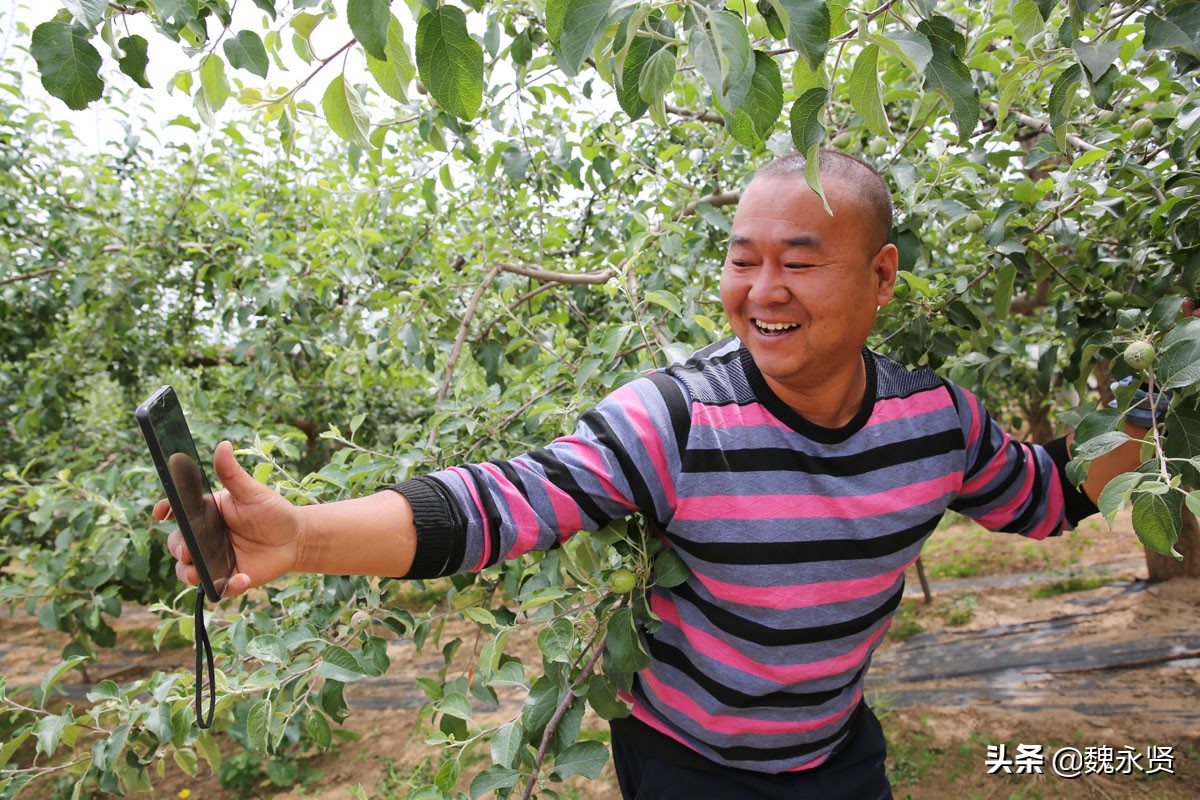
(860, 176)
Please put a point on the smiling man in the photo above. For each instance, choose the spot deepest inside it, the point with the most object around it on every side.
(796, 473)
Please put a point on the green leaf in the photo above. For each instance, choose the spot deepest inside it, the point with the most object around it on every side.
(506, 743)
(133, 59)
(1099, 445)
(456, 705)
(656, 75)
(1116, 492)
(624, 644)
(911, 47)
(755, 119)
(316, 725)
(947, 75)
(493, 778)
(49, 731)
(88, 13)
(582, 758)
(866, 94)
(267, 6)
(1097, 58)
(1179, 30)
(1002, 299)
(665, 300)
(582, 24)
(339, 664)
(1027, 21)
(54, 676)
(345, 113)
(394, 74)
(246, 51)
(1178, 364)
(1062, 94)
(669, 569)
(178, 12)
(603, 698)
(808, 27)
(539, 706)
(258, 725)
(269, 648)
(450, 61)
(719, 45)
(213, 81)
(69, 65)
(16, 739)
(1157, 520)
(808, 129)
(369, 21)
(556, 641)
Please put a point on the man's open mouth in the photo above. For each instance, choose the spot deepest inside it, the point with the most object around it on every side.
(775, 328)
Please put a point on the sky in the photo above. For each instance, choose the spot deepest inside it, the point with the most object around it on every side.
(147, 111)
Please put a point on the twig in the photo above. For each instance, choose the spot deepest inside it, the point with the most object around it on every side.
(564, 706)
(28, 276)
(1042, 126)
(716, 200)
(539, 274)
(472, 307)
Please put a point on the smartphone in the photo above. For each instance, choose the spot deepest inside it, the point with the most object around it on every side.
(186, 483)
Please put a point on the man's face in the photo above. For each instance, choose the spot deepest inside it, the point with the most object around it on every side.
(800, 288)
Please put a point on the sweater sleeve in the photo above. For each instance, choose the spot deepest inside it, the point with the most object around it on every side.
(1013, 486)
(622, 458)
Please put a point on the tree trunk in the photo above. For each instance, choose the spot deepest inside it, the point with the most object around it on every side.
(1162, 568)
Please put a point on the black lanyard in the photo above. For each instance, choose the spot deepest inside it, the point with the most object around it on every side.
(203, 649)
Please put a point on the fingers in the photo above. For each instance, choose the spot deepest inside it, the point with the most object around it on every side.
(238, 584)
(178, 548)
(162, 510)
(241, 486)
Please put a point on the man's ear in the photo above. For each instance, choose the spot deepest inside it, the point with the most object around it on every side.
(884, 266)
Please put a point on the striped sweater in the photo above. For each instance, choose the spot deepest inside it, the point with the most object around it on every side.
(797, 536)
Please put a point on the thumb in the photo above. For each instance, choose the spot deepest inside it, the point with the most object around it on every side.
(239, 483)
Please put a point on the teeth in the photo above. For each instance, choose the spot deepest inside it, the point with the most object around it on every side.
(775, 326)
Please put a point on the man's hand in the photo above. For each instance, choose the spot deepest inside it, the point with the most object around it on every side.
(266, 529)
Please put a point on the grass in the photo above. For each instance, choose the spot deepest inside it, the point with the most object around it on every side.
(1075, 583)
(904, 624)
(960, 611)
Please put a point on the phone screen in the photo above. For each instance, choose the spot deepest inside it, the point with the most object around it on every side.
(186, 484)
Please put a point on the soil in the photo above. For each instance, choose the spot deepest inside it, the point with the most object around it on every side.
(1002, 656)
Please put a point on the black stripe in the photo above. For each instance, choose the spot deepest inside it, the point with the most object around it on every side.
(677, 407)
(772, 636)
(642, 497)
(1032, 506)
(699, 362)
(1014, 473)
(761, 459)
(558, 474)
(494, 518)
(672, 656)
(793, 552)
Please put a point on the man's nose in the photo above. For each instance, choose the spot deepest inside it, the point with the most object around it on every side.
(768, 285)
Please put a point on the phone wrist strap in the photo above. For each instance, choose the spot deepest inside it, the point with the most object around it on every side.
(203, 650)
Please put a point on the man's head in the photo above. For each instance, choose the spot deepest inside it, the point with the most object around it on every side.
(800, 287)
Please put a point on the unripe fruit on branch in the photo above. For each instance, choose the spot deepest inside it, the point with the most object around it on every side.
(1114, 299)
(1139, 355)
(1141, 129)
(622, 581)
(360, 619)
(973, 223)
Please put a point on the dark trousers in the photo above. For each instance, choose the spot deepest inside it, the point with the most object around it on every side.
(855, 772)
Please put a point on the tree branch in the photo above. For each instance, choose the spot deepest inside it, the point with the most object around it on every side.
(28, 276)
(472, 307)
(716, 200)
(1042, 126)
(564, 706)
(700, 116)
(539, 274)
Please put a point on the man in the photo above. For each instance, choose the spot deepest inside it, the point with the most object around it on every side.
(795, 472)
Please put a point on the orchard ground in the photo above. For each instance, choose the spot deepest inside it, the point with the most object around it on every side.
(1059, 644)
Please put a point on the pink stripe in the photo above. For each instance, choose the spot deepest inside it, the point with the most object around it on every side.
(732, 416)
(648, 435)
(803, 595)
(813, 506)
(725, 653)
(1054, 510)
(589, 460)
(998, 517)
(521, 515)
(721, 723)
(469, 482)
(998, 462)
(908, 407)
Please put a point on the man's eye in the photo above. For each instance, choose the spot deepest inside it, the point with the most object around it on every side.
(797, 266)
